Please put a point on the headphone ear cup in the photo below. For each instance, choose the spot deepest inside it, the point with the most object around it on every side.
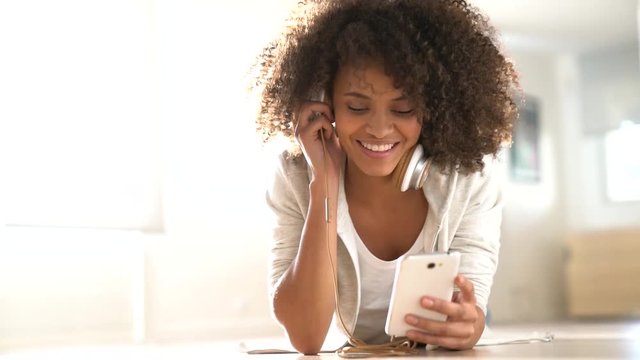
(415, 171)
(400, 171)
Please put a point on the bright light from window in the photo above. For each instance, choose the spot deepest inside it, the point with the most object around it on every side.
(121, 111)
(622, 147)
(77, 100)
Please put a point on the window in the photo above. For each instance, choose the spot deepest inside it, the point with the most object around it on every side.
(622, 147)
(77, 100)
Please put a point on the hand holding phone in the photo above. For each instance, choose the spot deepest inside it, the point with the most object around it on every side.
(416, 276)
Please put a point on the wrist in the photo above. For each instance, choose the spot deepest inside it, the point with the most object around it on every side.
(319, 187)
(318, 195)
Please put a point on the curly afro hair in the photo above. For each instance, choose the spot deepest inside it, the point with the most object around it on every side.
(443, 54)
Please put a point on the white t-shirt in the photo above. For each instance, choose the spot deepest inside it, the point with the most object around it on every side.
(376, 277)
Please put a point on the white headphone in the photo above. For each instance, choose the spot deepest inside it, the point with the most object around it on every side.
(417, 170)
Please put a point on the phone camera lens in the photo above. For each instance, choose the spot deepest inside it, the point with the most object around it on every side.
(431, 265)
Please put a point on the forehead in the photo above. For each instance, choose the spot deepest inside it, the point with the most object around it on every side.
(368, 79)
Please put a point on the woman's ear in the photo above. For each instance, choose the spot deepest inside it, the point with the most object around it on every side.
(329, 97)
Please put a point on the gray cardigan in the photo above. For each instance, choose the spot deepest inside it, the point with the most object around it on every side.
(465, 213)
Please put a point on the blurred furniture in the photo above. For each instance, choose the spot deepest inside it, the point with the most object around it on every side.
(603, 274)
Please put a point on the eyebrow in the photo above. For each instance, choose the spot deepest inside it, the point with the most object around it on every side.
(362, 96)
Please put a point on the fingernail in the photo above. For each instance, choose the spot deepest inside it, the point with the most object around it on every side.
(412, 320)
(427, 302)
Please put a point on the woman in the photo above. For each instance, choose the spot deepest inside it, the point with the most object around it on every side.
(394, 74)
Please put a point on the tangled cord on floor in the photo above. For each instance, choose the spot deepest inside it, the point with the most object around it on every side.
(395, 347)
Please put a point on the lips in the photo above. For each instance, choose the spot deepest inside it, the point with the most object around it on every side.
(378, 147)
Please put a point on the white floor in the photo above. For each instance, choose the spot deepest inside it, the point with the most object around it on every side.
(574, 340)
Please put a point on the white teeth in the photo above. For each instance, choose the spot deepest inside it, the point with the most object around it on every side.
(377, 148)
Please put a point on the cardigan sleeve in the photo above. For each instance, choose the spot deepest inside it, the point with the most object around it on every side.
(288, 219)
(477, 236)
(288, 198)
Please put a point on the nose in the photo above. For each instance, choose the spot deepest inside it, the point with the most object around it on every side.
(379, 125)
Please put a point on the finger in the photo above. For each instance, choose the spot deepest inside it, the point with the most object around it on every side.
(308, 111)
(446, 341)
(325, 111)
(323, 126)
(441, 328)
(313, 123)
(451, 309)
(467, 291)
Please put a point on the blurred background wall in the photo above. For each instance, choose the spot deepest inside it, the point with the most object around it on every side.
(132, 183)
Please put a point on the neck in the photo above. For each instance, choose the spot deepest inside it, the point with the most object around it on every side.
(359, 187)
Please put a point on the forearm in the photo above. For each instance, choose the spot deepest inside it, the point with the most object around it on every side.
(304, 302)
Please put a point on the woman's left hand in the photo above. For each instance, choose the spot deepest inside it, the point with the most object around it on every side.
(464, 324)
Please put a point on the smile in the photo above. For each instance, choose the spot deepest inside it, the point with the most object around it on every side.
(380, 148)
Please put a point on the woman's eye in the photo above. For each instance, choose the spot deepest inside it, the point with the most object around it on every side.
(403, 112)
(357, 109)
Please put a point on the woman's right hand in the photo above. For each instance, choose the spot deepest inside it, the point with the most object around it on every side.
(313, 116)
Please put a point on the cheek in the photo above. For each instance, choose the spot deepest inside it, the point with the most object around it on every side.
(344, 125)
(412, 130)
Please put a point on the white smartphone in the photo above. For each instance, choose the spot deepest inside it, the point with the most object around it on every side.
(416, 276)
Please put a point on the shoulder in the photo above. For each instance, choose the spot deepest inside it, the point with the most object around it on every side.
(445, 187)
(491, 172)
(291, 165)
(291, 169)
(290, 178)
(489, 179)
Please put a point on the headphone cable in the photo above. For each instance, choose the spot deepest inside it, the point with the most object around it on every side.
(357, 348)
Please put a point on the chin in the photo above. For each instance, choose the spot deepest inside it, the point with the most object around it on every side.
(373, 167)
(377, 171)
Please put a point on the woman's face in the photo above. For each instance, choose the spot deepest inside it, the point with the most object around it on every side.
(375, 121)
